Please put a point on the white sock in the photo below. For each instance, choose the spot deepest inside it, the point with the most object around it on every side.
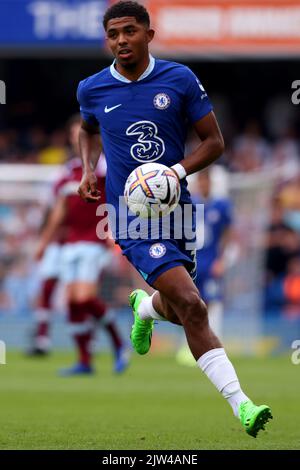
(218, 368)
(146, 310)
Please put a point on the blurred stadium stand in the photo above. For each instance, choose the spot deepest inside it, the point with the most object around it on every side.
(247, 68)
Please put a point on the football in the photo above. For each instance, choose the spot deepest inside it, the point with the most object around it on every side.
(152, 190)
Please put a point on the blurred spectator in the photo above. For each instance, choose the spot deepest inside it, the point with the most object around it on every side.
(279, 115)
(282, 243)
(291, 284)
(56, 152)
(282, 289)
(286, 155)
(250, 151)
(33, 145)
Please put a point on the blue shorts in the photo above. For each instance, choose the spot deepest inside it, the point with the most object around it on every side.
(153, 257)
(174, 244)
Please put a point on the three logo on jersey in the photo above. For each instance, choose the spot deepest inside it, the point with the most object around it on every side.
(149, 147)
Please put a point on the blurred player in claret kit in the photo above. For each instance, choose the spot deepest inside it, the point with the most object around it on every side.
(49, 259)
(143, 107)
(82, 259)
(49, 272)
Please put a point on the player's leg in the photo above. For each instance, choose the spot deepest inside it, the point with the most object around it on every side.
(94, 260)
(210, 291)
(49, 271)
(187, 308)
(79, 318)
(183, 296)
(215, 317)
(179, 301)
(87, 299)
(82, 328)
(174, 297)
(150, 258)
(88, 309)
(43, 315)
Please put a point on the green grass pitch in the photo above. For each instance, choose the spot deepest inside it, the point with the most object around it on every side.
(156, 404)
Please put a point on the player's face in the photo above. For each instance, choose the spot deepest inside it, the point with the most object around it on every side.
(128, 40)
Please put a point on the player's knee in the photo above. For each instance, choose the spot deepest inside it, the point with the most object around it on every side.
(193, 309)
(83, 292)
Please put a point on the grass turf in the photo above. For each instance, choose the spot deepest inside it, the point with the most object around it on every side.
(156, 404)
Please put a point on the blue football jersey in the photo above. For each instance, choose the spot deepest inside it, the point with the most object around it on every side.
(217, 218)
(142, 121)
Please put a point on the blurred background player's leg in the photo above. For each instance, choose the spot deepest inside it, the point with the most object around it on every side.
(43, 314)
(105, 319)
(82, 265)
(49, 270)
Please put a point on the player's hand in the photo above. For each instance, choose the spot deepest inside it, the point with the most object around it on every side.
(88, 188)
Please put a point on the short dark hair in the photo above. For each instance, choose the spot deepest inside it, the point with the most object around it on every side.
(120, 9)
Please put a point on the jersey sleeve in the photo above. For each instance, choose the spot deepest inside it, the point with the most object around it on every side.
(197, 102)
(85, 107)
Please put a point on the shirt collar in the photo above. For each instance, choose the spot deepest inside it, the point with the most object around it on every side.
(121, 78)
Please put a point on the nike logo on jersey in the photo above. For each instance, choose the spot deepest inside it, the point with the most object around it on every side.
(108, 110)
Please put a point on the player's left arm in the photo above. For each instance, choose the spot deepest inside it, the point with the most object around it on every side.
(210, 148)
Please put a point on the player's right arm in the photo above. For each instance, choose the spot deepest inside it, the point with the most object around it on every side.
(89, 145)
(90, 150)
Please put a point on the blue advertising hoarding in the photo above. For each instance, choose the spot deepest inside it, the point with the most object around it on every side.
(51, 22)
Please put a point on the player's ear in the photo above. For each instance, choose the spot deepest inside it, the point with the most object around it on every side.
(150, 34)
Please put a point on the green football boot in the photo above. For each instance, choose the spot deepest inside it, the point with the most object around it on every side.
(253, 417)
(141, 333)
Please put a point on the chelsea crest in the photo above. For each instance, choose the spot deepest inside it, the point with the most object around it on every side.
(161, 101)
